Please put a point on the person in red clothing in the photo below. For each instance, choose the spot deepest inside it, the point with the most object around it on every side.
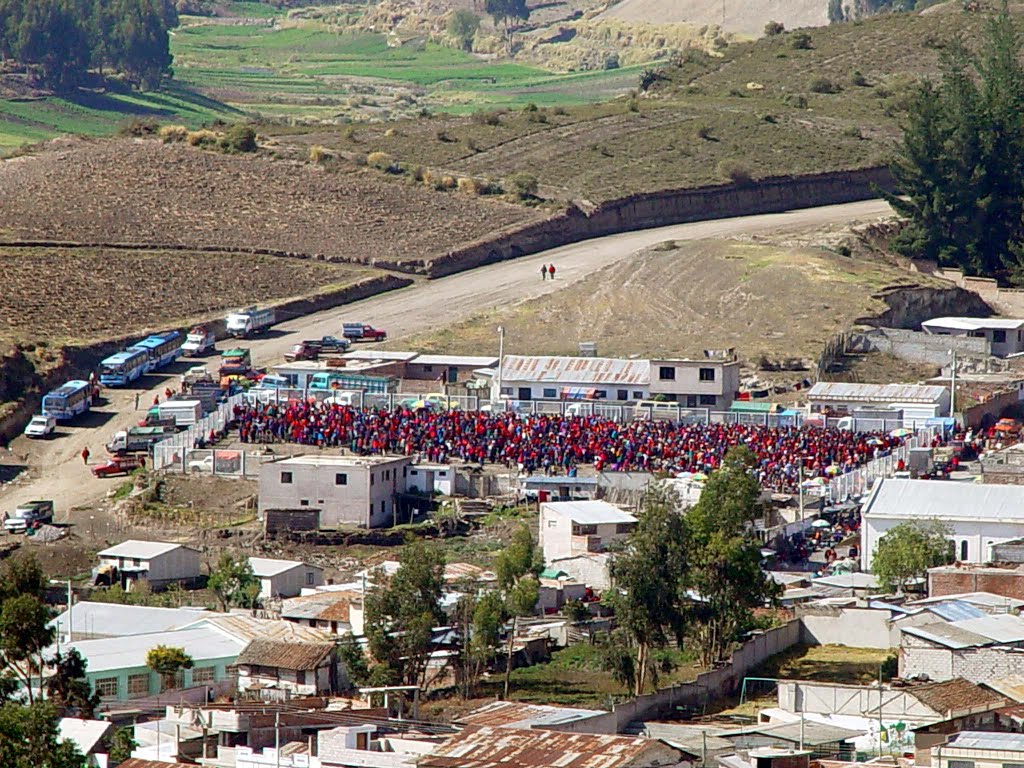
(85, 455)
(551, 271)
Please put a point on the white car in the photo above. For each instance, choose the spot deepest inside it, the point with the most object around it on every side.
(41, 426)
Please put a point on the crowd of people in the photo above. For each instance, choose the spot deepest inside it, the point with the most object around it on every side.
(558, 443)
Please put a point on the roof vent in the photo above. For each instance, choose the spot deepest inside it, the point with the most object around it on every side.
(588, 349)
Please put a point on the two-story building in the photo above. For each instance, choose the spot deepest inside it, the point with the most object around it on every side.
(158, 563)
(710, 383)
(1005, 336)
(571, 528)
(346, 490)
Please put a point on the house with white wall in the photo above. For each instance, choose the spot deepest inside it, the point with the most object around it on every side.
(979, 516)
(918, 403)
(284, 578)
(159, 563)
(571, 528)
(1004, 335)
(301, 668)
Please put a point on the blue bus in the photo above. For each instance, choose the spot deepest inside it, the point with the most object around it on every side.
(163, 349)
(124, 367)
(68, 400)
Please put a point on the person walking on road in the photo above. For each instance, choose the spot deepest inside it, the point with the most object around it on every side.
(551, 271)
(136, 401)
(85, 455)
(543, 271)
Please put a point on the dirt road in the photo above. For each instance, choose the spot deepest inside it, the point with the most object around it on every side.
(54, 469)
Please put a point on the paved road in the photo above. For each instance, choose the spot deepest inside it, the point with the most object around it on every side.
(54, 469)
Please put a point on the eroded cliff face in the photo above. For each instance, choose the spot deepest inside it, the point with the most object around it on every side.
(909, 307)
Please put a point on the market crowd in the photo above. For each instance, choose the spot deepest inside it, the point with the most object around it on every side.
(558, 443)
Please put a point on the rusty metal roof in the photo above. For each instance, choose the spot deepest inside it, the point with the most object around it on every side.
(514, 714)
(576, 370)
(325, 606)
(488, 747)
(270, 653)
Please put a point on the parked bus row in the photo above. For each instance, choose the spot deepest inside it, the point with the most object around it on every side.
(150, 354)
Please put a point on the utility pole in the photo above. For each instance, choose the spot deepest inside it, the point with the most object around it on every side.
(880, 695)
(277, 738)
(501, 356)
(952, 385)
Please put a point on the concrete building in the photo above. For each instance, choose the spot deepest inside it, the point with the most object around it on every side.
(571, 528)
(693, 383)
(1006, 582)
(301, 668)
(979, 749)
(338, 612)
(1005, 336)
(347, 490)
(89, 736)
(92, 621)
(978, 649)
(979, 516)
(156, 562)
(918, 403)
(451, 368)
(284, 578)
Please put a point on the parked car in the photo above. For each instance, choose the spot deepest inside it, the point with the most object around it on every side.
(119, 465)
(31, 514)
(41, 426)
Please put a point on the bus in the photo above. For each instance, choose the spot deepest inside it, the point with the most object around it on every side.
(124, 367)
(163, 348)
(68, 400)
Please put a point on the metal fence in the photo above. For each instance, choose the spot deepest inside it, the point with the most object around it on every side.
(173, 449)
(859, 481)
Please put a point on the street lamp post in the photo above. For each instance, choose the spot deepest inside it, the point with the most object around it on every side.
(501, 356)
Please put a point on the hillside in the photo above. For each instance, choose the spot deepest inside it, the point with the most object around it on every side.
(746, 17)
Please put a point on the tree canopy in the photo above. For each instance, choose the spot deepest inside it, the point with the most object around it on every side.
(958, 163)
(58, 41)
(909, 549)
(517, 567)
(29, 738)
(167, 661)
(234, 583)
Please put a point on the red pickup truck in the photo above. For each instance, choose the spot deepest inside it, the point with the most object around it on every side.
(119, 465)
(363, 332)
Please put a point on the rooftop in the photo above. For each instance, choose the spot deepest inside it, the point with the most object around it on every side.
(201, 643)
(113, 620)
(339, 461)
(323, 606)
(1011, 686)
(589, 512)
(144, 550)
(952, 696)
(265, 567)
(285, 655)
(86, 734)
(971, 633)
(876, 393)
(809, 732)
(245, 628)
(484, 747)
(576, 370)
(901, 499)
(974, 323)
(459, 361)
(986, 740)
(980, 599)
(513, 714)
(391, 355)
(854, 580)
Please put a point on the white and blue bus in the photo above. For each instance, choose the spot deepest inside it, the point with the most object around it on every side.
(124, 367)
(163, 349)
(68, 400)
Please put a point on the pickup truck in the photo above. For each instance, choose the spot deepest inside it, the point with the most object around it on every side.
(304, 351)
(41, 426)
(31, 514)
(119, 465)
(137, 439)
(199, 341)
(363, 332)
(235, 362)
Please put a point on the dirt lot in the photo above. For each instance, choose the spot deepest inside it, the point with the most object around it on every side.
(138, 191)
(98, 291)
(679, 298)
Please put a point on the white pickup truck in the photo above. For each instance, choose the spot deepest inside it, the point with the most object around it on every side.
(199, 341)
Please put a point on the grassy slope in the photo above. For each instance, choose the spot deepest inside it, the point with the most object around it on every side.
(756, 107)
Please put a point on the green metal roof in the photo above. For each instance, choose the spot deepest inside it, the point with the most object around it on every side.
(749, 406)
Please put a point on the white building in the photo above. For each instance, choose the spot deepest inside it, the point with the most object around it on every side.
(284, 578)
(157, 562)
(571, 528)
(1004, 335)
(692, 383)
(92, 621)
(301, 668)
(978, 649)
(918, 403)
(980, 516)
(347, 490)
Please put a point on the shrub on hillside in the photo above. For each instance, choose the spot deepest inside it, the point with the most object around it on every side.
(170, 134)
(801, 41)
(824, 85)
(735, 172)
(203, 138)
(320, 155)
(796, 100)
(487, 118)
(773, 28)
(704, 132)
(470, 186)
(525, 185)
(857, 78)
(239, 138)
(138, 126)
(382, 161)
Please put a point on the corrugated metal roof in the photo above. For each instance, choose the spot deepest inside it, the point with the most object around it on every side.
(810, 732)
(970, 633)
(974, 323)
(946, 634)
(324, 606)
(986, 599)
(285, 655)
(876, 393)
(113, 620)
(247, 628)
(144, 550)
(987, 740)
(512, 714)
(487, 747)
(854, 580)
(265, 567)
(113, 653)
(956, 610)
(899, 498)
(460, 361)
(457, 571)
(575, 370)
(589, 512)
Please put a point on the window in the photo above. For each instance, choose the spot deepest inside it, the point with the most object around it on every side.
(136, 562)
(960, 764)
(286, 478)
(106, 687)
(552, 523)
(666, 373)
(138, 685)
(428, 369)
(691, 401)
(623, 527)
(372, 478)
(383, 507)
(999, 337)
(638, 395)
(583, 530)
(309, 578)
(387, 474)
(203, 675)
(303, 502)
(1013, 765)
(622, 394)
(550, 392)
(506, 391)
(300, 676)
(602, 394)
(963, 551)
(706, 374)
(340, 478)
(707, 399)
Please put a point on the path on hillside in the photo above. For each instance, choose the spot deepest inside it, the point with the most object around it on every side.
(55, 469)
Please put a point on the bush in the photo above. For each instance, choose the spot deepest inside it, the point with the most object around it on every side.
(796, 100)
(443, 136)
(471, 144)
(470, 186)
(857, 78)
(350, 133)
(768, 117)
(823, 85)
(531, 107)
(239, 138)
(801, 41)
(525, 185)
(633, 105)
(852, 132)
(704, 132)
(773, 28)
(203, 138)
(487, 118)
(382, 161)
(320, 155)
(560, 111)
(611, 61)
(447, 182)
(170, 134)
(139, 126)
(737, 93)
(417, 173)
(738, 174)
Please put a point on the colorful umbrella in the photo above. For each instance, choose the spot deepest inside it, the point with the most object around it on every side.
(901, 432)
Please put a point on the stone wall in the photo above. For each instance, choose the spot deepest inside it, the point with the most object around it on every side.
(956, 581)
(920, 347)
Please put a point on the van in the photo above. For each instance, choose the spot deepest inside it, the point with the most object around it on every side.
(656, 410)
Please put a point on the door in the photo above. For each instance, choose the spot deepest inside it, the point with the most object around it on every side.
(525, 393)
(453, 374)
